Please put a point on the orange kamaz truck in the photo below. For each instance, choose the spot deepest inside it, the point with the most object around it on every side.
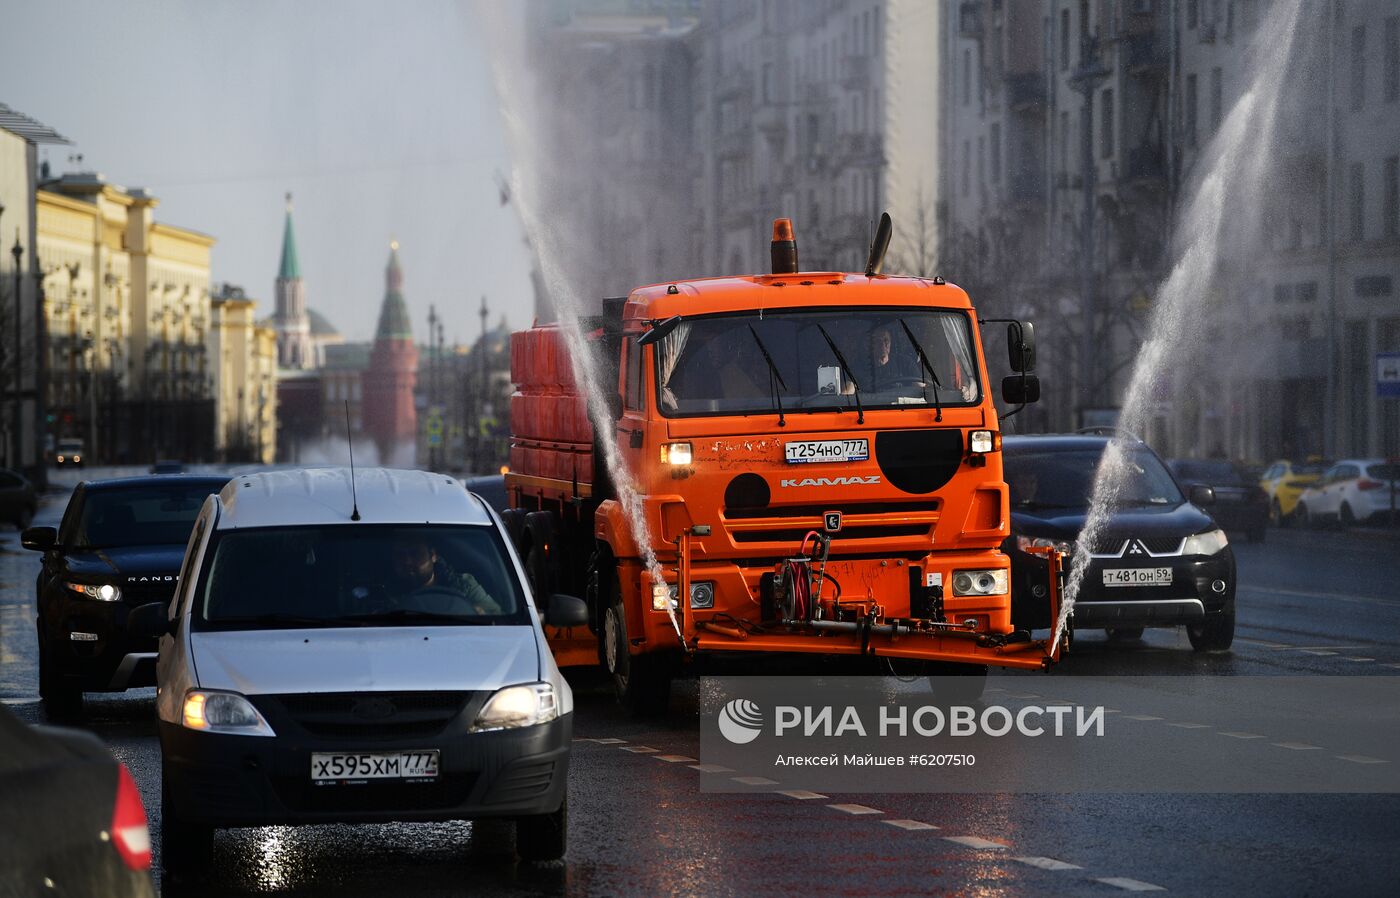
(806, 462)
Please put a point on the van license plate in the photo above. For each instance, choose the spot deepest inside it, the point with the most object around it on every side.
(818, 451)
(1137, 576)
(340, 767)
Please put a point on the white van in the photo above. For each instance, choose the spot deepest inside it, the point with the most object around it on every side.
(357, 650)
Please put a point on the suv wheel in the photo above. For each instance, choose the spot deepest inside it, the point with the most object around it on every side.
(1303, 516)
(1123, 634)
(1215, 633)
(61, 697)
(543, 837)
(1345, 516)
(642, 683)
(185, 848)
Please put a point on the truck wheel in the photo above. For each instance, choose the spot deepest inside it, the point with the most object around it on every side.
(185, 848)
(642, 683)
(1215, 633)
(543, 837)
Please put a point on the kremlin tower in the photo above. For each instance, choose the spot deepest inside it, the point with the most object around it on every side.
(295, 350)
(388, 413)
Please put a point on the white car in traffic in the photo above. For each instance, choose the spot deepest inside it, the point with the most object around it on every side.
(1353, 490)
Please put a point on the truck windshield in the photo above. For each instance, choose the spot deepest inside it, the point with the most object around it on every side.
(713, 366)
(350, 576)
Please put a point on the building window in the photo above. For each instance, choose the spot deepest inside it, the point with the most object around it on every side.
(1283, 292)
(1392, 59)
(967, 77)
(1193, 13)
(1064, 142)
(1392, 196)
(1106, 124)
(1064, 40)
(1191, 110)
(1083, 22)
(966, 167)
(1307, 291)
(995, 162)
(1358, 201)
(1358, 67)
(1216, 98)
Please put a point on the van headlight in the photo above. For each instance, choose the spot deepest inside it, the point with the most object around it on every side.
(1208, 543)
(102, 592)
(223, 712)
(518, 706)
(979, 583)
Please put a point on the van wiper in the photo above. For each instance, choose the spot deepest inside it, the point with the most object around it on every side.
(923, 360)
(841, 360)
(774, 378)
(263, 620)
(403, 615)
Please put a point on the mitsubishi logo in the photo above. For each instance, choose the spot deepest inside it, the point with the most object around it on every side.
(1135, 548)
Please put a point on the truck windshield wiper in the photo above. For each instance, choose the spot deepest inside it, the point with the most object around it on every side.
(774, 378)
(841, 360)
(923, 361)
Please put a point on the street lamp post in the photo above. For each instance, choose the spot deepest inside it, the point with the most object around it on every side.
(18, 420)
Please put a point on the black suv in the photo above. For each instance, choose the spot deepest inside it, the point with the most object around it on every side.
(1160, 561)
(119, 545)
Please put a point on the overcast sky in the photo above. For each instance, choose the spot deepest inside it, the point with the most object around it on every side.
(379, 117)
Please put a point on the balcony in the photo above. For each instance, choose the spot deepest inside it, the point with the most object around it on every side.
(855, 149)
(1025, 91)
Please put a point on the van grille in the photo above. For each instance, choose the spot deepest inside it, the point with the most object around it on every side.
(367, 715)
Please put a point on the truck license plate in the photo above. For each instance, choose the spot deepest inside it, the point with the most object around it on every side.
(1137, 576)
(337, 767)
(818, 451)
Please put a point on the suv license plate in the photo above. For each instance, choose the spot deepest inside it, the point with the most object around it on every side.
(1137, 576)
(818, 451)
(340, 767)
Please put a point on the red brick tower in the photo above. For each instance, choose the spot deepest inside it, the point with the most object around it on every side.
(388, 412)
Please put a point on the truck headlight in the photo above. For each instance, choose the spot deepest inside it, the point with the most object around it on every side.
(982, 441)
(102, 592)
(518, 706)
(675, 453)
(979, 583)
(223, 712)
(1208, 543)
(1038, 542)
(702, 594)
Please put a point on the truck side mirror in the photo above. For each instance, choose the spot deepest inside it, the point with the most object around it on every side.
(39, 539)
(1020, 389)
(1020, 340)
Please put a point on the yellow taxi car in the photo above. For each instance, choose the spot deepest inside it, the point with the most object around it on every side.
(1283, 482)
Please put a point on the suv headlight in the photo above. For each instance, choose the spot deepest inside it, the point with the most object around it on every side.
(518, 706)
(1208, 543)
(979, 583)
(102, 592)
(223, 712)
(1024, 542)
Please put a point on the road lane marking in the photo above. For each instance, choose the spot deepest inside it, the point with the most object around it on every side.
(1190, 726)
(1142, 717)
(1362, 600)
(1244, 735)
(1362, 759)
(1131, 885)
(857, 809)
(1297, 746)
(754, 780)
(1358, 659)
(1397, 666)
(1046, 863)
(1262, 644)
(673, 759)
(1022, 695)
(610, 741)
(976, 842)
(711, 768)
(910, 824)
(639, 749)
(1316, 652)
(801, 794)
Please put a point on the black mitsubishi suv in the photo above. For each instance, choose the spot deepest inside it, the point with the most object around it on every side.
(119, 545)
(1161, 561)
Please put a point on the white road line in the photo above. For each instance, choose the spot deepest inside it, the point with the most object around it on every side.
(801, 794)
(1262, 644)
(1191, 726)
(754, 780)
(1362, 759)
(1142, 717)
(1046, 863)
(976, 842)
(1397, 666)
(610, 741)
(1244, 735)
(673, 759)
(1297, 746)
(711, 768)
(639, 749)
(910, 824)
(1316, 652)
(1361, 600)
(857, 809)
(1022, 695)
(1358, 659)
(1131, 885)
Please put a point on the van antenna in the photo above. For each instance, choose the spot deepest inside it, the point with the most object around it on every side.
(354, 500)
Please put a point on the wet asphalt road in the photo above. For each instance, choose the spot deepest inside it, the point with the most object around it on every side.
(1311, 603)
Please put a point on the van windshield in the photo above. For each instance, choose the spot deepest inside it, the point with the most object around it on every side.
(715, 365)
(355, 575)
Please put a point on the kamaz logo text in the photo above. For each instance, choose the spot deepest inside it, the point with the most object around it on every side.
(830, 481)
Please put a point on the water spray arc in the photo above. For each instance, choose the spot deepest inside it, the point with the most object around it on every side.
(1232, 169)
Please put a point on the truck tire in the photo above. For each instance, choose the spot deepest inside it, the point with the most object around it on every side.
(1214, 634)
(514, 521)
(543, 837)
(541, 556)
(642, 683)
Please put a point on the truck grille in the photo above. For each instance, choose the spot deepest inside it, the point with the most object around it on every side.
(846, 532)
(859, 520)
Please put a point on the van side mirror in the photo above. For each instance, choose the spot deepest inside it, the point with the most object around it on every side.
(1020, 341)
(566, 611)
(150, 621)
(1020, 389)
(39, 539)
(1201, 494)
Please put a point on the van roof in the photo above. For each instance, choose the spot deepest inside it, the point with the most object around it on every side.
(304, 496)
